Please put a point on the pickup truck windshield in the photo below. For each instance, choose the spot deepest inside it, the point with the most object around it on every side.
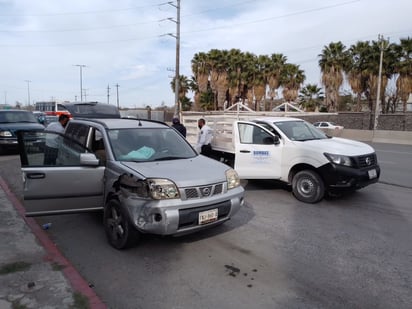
(300, 130)
(149, 144)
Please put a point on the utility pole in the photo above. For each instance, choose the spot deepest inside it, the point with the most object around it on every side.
(117, 95)
(177, 74)
(108, 94)
(28, 91)
(85, 95)
(378, 95)
(81, 66)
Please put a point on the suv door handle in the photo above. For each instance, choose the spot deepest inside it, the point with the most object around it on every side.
(36, 175)
(245, 151)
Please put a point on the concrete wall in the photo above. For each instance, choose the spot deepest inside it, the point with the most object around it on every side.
(378, 136)
(356, 125)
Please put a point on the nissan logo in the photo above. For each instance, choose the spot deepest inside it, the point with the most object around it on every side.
(368, 161)
(206, 191)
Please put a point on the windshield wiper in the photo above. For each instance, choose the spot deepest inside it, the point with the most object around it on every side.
(169, 158)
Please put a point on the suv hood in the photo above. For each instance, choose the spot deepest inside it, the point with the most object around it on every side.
(338, 145)
(17, 126)
(191, 172)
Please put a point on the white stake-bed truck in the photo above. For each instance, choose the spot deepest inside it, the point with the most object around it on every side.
(293, 151)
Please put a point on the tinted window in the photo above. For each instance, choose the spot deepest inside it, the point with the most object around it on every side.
(78, 132)
(35, 150)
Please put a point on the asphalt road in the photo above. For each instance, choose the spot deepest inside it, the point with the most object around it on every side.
(349, 252)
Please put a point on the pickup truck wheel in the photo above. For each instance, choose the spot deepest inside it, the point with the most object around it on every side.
(308, 187)
(120, 233)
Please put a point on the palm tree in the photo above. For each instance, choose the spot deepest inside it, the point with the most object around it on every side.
(333, 62)
(291, 79)
(200, 71)
(310, 97)
(356, 71)
(404, 68)
(184, 87)
(273, 78)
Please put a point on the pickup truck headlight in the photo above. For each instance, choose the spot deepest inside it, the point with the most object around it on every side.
(232, 179)
(5, 134)
(339, 159)
(162, 189)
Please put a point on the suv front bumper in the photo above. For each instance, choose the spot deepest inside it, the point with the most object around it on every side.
(177, 216)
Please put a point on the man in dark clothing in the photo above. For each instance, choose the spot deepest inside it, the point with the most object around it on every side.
(178, 126)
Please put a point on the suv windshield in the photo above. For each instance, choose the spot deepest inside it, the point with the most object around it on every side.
(300, 130)
(151, 144)
(17, 116)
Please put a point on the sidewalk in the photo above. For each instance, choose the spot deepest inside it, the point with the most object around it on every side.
(33, 272)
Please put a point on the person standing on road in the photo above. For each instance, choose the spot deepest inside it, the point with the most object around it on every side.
(178, 126)
(52, 143)
(204, 138)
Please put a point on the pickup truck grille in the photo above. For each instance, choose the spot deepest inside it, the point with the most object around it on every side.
(367, 160)
(203, 191)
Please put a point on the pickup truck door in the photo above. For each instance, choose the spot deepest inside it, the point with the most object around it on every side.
(74, 183)
(256, 155)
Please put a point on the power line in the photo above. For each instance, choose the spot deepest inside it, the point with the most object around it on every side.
(84, 12)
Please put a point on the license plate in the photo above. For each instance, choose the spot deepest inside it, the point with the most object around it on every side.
(208, 216)
(372, 174)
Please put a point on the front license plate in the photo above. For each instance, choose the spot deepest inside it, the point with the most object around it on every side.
(372, 174)
(208, 216)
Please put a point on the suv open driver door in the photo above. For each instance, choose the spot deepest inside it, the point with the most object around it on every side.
(68, 180)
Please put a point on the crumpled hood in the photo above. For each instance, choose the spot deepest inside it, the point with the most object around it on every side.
(196, 171)
(337, 145)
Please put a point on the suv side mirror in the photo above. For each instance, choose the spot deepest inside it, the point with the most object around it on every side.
(88, 159)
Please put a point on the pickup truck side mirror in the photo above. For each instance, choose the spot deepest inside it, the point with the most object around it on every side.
(271, 140)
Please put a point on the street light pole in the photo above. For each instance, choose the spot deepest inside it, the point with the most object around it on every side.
(117, 95)
(81, 66)
(28, 91)
(177, 74)
(378, 95)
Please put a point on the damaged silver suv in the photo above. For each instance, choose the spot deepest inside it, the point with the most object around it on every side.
(143, 174)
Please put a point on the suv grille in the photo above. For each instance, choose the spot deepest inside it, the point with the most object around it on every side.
(203, 191)
(366, 161)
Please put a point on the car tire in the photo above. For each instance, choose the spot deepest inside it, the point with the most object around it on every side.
(308, 186)
(120, 233)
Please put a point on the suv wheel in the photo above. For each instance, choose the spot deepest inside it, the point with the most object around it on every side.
(120, 233)
(308, 187)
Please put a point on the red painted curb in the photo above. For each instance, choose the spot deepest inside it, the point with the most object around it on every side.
(53, 255)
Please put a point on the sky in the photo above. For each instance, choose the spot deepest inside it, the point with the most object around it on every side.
(129, 46)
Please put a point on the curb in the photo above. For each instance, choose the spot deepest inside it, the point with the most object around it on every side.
(53, 254)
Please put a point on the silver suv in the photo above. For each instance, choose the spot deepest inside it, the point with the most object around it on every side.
(143, 174)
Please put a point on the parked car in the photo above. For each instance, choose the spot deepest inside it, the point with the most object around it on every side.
(143, 174)
(12, 121)
(327, 125)
(40, 116)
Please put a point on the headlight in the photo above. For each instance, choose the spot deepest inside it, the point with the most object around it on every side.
(5, 134)
(339, 159)
(232, 179)
(161, 189)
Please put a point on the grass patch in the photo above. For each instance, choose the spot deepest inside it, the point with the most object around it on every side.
(80, 301)
(57, 267)
(14, 267)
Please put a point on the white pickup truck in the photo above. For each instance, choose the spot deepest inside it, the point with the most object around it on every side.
(295, 152)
